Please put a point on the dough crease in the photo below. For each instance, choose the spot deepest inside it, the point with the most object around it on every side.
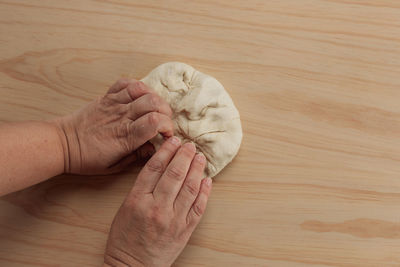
(203, 112)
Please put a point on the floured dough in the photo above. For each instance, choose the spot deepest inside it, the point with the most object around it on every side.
(203, 112)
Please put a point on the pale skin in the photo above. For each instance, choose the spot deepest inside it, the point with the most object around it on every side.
(169, 197)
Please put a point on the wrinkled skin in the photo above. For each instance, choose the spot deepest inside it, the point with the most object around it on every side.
(162, 210)
(113, 131)
(158, 216)
(169, 197)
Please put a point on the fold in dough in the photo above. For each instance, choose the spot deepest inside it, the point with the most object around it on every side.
(203, 112)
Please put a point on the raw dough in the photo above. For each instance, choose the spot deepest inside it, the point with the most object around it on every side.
(203, 112)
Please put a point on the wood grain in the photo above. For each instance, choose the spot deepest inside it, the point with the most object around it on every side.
(317, 83)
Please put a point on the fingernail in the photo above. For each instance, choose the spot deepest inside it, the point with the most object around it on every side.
(174, 140)
(208, 181)
(200, 157)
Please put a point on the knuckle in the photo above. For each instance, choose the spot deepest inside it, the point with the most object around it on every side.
(192, 188)
(106, 100)
(155, 165)
(122, 82)
(132, 111)
(198, 209)
(154, 118)
(175, 172)
(154, 101)
(131, 82)
(135, 88)
(119, 110)
(123, 130)
(132, 133)
(139, 85)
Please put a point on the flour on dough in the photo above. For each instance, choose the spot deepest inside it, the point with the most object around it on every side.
(203, 112)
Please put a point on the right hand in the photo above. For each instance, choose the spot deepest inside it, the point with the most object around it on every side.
(162, 210)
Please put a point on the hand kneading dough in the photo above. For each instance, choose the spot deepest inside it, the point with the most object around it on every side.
(203, 112)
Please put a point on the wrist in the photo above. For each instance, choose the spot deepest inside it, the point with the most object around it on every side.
(111, 261)
(69, 141)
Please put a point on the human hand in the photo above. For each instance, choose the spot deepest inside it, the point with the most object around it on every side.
(162, 209)
(113, 131)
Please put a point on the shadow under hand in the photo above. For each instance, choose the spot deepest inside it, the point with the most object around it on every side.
(84, 201)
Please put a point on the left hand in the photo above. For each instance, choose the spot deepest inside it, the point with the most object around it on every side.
(113, 131)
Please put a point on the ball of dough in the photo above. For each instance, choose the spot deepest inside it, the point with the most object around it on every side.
(203, 112)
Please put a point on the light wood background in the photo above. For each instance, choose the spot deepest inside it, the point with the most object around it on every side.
(317, 84)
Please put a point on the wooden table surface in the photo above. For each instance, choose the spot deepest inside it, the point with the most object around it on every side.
(317, 83)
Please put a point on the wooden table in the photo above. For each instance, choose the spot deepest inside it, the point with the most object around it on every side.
(317, 84)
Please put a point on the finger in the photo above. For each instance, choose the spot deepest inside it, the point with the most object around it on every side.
(142, 152)
(118, 86)
(200, 204)
(191, 186)
(147, 127)
(171, 181)
(148, 103)
(132, 91)
(154, 168)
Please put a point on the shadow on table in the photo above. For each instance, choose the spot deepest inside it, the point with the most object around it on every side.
(84, 201)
